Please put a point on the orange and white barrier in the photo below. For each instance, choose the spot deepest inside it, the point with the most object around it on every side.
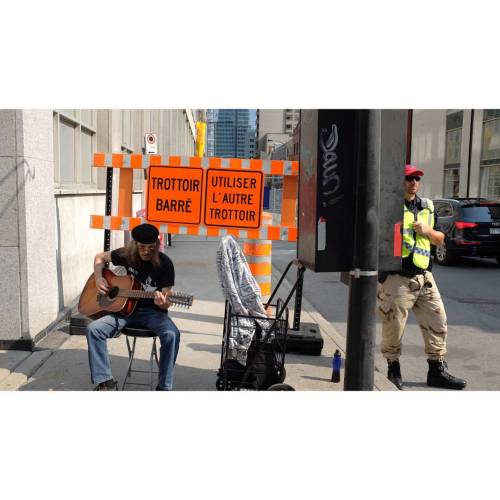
(127, 161)
(259, 254)
(281, 233)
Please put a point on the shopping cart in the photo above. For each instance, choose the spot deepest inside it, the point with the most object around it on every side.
(265, 362)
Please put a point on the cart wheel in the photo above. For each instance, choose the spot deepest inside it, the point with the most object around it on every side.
(219, 384)
(282, 374)
(281, 387)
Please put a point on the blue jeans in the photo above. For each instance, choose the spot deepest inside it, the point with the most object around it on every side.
(100, 330)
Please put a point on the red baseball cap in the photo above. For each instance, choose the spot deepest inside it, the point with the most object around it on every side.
(411, 170)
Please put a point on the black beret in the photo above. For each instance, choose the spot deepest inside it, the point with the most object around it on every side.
(145, 233)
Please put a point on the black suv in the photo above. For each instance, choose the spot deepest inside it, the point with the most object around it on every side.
(471, 226)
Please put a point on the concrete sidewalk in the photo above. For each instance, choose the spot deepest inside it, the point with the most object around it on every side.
(60, 361)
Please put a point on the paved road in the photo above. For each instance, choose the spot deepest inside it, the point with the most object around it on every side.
(471, 294)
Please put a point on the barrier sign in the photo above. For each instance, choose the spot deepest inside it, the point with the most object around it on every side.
(233, 198)
(174, 195)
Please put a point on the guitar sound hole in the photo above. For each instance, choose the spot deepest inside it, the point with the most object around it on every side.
(113, 292)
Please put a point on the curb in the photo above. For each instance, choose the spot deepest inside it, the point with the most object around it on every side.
(24, 370)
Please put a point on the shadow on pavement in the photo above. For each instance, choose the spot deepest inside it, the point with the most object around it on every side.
(68, 370)
(216, 349)
(197, 317)
(321, 379)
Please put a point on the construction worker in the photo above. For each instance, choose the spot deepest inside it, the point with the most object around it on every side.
(414, 288)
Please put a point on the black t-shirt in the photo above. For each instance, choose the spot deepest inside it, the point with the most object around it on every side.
(415, 206)
(150, 277)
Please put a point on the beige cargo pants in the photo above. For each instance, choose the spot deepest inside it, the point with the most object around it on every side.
(396, 297)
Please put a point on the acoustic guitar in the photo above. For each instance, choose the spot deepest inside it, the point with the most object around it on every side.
(122, 297)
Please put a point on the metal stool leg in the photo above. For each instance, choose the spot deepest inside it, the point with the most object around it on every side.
(154, 356)
(131, 353)
(151, 365)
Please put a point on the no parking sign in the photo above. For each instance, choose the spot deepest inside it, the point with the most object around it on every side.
(151, 144)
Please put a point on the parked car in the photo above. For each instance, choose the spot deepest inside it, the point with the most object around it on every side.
(471, 227)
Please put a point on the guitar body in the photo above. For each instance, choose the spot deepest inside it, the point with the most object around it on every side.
(94, 305)
(122, 297)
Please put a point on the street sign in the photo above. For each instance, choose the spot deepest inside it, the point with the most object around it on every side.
(150, 144)
(233, 198)
(174, 195)
(177, 188)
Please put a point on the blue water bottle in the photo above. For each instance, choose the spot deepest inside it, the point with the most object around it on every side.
(336, 364)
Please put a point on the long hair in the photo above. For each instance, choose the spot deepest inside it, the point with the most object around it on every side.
(134, 259)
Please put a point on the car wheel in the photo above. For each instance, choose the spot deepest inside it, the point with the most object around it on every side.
(444, 256)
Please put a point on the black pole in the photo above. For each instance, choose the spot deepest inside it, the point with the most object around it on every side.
(297, 310)
(107, 209)
(469, 159)
(409, 132)
(361, 322)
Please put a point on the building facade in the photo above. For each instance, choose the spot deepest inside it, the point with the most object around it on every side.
(48, 190)
(274, 128)
(459, 150)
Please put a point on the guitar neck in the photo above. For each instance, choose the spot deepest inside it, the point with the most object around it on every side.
(136, 294)
(177, 298)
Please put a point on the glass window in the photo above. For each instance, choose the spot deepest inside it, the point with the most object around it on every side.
(490, 154)
(73, 147)
(451, 182)
(490, 182)
(454, 119)
(454, 122)
(490, 114)
(444, 209)
(86, 158)
(482, 213)
(66, 152)
(453, 146)
(491, 140)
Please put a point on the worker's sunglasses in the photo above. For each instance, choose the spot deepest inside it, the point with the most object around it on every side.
(410, 178)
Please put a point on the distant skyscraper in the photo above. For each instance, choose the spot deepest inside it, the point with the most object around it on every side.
(231, 133)
(212, 115)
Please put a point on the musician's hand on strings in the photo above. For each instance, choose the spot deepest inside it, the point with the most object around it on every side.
(161, 299)
(102, 285)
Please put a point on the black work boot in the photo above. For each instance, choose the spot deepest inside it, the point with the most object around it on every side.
(394, 373)
(437, 376)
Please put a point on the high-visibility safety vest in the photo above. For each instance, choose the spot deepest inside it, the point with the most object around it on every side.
(415, 243)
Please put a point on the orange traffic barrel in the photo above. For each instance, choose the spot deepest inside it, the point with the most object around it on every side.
(258, 254)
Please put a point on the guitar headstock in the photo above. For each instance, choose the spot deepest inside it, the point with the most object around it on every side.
(181, 299)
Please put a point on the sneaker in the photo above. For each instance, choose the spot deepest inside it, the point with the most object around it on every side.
(108, 385)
